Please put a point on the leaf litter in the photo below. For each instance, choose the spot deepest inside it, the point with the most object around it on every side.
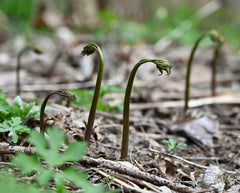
(212, 139)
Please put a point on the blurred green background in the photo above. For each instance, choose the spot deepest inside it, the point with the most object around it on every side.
(124, 21)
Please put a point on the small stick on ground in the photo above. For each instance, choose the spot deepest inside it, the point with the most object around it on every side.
(6, 148)
(156, 180)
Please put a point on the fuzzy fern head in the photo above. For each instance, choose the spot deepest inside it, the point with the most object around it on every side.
(163, 65)
(53, 156)
(90, 49)
(37, 50)
(215, 36)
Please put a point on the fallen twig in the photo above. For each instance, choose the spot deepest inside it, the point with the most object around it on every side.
(122, 183)
(7, 148)
(192, 163)
(224, 99)
(137, 181)
(156, 180)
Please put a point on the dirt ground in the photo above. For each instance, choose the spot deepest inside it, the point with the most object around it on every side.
(211, 160)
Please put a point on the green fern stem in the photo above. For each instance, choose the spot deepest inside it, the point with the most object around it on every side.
(65, 93)
(161, 65)
(215, 37)
(88, 50)
(20, 54)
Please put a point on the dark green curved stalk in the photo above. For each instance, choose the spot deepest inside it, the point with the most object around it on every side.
(88, 50)
(215, 37)
(64, 93)
(162, 65)
(23, 51)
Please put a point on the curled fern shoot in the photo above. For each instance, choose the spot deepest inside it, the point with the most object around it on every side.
(88, 50)
(65, 93)
(20, 54)
(162, 65)
(215, 37)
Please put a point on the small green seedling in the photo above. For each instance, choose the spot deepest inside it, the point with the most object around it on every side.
(139, 153)
(174, 144)
(21, 53)
(215, 37)
(18, 108)
(88, 50)
(52, 165)
(109, 180)
(153, 155)
(65, 93)
(162, 65)
(13, 117)
(14, 125)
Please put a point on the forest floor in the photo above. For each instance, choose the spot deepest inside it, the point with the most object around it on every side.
(211, 129)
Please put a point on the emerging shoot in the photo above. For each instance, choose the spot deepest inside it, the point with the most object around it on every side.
(88, 50)
(215, 37)
(21, 53)
(162, 65)
(65, 93)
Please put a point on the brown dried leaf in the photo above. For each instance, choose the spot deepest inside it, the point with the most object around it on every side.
(200, 129)
(170, 168)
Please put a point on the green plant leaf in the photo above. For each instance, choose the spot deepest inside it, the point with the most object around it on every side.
(22, 109)
(14, 125)
(78, 178)
(59, 180)
(171, 143)
(181, 145)
(27, 163)
(4, 109)
(9, 185)
(74, 152)
(17, 101)
(174, 144)
(2, 96)
(45, 176)
(50, 154)
(38, 140)
(57, 140)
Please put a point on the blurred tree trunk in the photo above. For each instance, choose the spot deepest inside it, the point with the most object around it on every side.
(84, 12)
